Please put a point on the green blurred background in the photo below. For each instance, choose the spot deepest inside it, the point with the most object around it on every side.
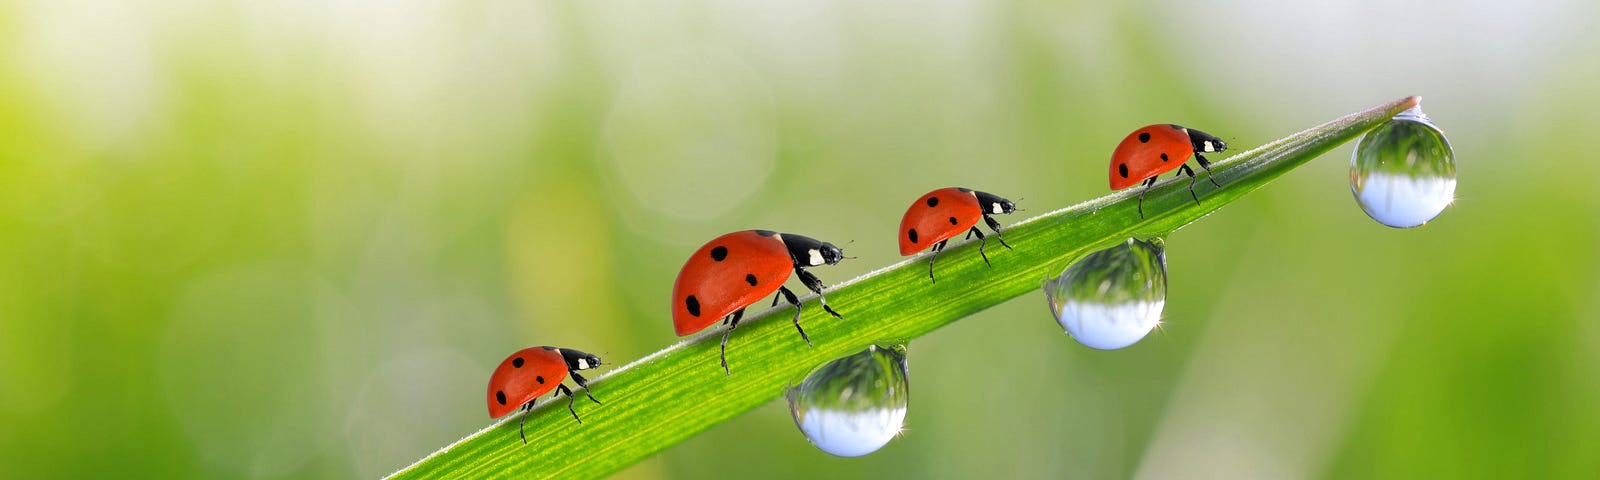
(290, 239)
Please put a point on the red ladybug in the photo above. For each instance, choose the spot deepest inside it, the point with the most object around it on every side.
(736, 270)
(1157, 149)
(524, 376)
(941, 214)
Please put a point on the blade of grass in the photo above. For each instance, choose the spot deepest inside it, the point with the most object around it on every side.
(668, 396)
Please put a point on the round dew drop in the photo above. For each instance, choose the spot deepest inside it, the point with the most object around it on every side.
(1403, 173)
(1112, 298)
(855, 405)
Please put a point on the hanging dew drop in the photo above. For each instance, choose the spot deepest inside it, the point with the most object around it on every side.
(1403, 173)
(1112, 298)
(855, 405)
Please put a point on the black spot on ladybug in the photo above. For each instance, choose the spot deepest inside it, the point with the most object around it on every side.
(766, 233)
(693, 304)
(953, 220)
(1163, 157)
(500, 396)
(750, 279)
(1122, 169)
(719, 253)
(516, 362)
(933, 201)
(539, 378)
(1144, 137)
(912, 234)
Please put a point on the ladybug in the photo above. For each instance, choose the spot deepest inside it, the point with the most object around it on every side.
(736, 270)
(941, 214)
(525, 375)
(1156, 149)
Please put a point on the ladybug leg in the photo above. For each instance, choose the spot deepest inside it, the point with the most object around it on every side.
(1184, 169)
(583, 382)
(1207, 166)
(937, 247)
(1147, 184)
(732, 322)
(562, 389)
(995, 225)
(776, 298)
(525, 408)
(816, 286)
(733, 317)
(982, 242)
(794, 300)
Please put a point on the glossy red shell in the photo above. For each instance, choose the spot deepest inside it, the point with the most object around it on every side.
(542, 368)
(727, 274)
(1147, 152)
(951, 212)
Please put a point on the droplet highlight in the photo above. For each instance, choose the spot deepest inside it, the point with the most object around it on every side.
(855, 405)
(1112, 298)
(1403, 173)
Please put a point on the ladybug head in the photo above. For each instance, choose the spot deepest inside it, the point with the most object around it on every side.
(810, 252)
(993, 204)
(831, 254)
(1205, 142)
(577, 360)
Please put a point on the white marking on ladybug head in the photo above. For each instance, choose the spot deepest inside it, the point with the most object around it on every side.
(1210, 147)
(999, 208)
(816, 257)
(583, 364)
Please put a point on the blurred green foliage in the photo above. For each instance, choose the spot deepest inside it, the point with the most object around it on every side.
(290, 239)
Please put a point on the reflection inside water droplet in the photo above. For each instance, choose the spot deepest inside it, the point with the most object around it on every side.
(1112, 298)
(1403, 173)
(854, 405)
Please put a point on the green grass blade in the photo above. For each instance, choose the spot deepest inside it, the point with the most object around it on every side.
(677, 392)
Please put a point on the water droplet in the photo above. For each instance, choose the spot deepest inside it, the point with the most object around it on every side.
(1403, 173)
(854, 405)
(1112, 298)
